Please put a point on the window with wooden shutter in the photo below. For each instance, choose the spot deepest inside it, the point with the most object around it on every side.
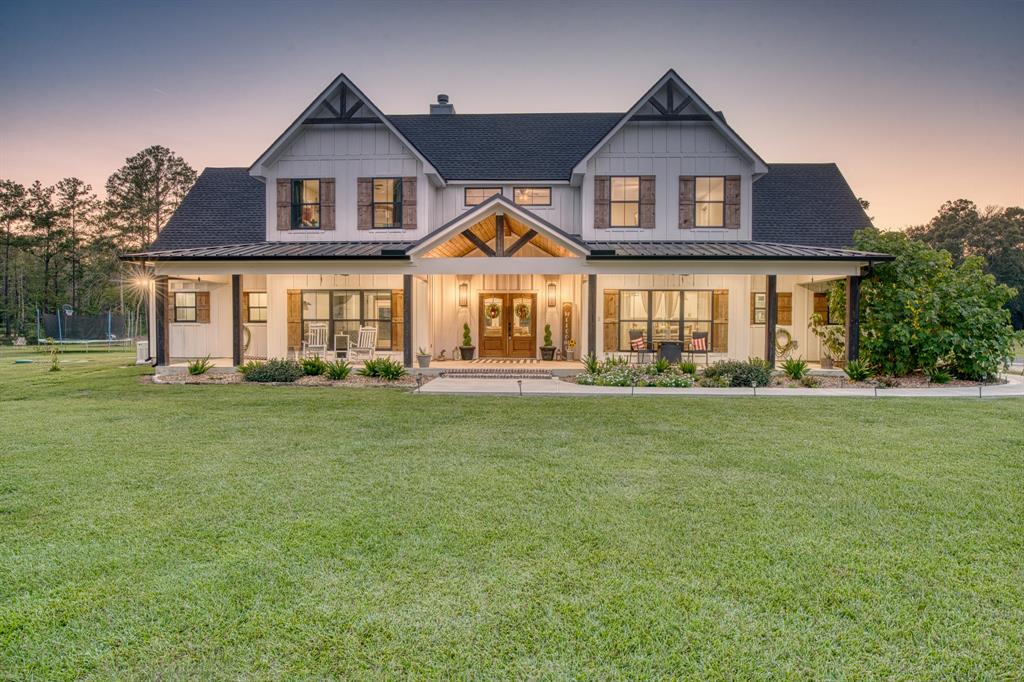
(720, 321)
(822, 308)
(647, 202)
(364, 203)
(687, 197)
(190, 306)
(602, 199)
(409, 203)
(284, 204)
(785, 307)
(732, 201)
(294, 319)
(759, 308)
(611, 320)
(327, 213)
(203, 306)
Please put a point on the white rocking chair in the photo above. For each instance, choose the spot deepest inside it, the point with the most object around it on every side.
(315, 344)
(366, 344)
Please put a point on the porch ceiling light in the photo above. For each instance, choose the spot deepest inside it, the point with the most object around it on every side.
(463, 295)
(552, 291)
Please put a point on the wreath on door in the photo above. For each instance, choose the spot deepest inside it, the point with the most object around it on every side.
(523, 311)
(493, 310)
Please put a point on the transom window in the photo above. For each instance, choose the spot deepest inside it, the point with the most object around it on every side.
(185, 306)
(478, 195)
(346, 311)
(710, 202)
(532, 196)
(257, 303)
(666, 315)
(625, 201)
(387, 202)
(305, 204)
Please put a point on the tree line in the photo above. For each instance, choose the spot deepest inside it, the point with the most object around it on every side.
(59, 244)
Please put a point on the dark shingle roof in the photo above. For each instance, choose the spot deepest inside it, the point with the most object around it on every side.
(225, 206)
(806, 203)
(505, 146)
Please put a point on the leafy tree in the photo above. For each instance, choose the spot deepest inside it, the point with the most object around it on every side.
(144, 192)
(921, 311)
(995, 234)
(12, 210)
(47, 239)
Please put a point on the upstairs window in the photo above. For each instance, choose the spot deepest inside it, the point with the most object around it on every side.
(478, 195)
(532, 196)
(387, 202)
(625, 201)
(710, 202)
(306, 204)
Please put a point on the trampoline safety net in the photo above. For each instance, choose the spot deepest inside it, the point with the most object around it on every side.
(71, 328)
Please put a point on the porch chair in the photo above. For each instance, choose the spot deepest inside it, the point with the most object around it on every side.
(699, 345)
(638, 345)
(366, 344)
(315, 344)
(341, 346)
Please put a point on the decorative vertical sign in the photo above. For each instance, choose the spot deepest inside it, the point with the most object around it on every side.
(568, 344)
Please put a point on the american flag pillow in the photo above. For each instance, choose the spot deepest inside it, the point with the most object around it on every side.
(639, 343)
(699, 343)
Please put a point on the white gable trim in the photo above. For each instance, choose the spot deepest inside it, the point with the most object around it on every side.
(760, 167)
(258, 168)
(493, 206)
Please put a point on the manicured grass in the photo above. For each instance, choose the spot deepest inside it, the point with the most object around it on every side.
(252, 531)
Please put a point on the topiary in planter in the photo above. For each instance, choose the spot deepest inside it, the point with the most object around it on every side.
(467, 348)
(547, 351)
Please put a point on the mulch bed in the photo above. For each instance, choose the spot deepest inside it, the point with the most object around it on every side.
(353, 381)
(916, 380)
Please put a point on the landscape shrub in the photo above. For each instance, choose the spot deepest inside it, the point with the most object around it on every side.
(337, 370)
(795, 368)
(739, 373)
(920, 311)
(314, 366)
(687, 367)
(614, 372)
(199, 366)
(857, 370)
(383, 368)
(280, 371)
(938, 375)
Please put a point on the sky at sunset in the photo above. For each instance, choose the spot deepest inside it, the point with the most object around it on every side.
(917, 103)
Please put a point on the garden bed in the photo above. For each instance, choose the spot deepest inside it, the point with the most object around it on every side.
(353, 380)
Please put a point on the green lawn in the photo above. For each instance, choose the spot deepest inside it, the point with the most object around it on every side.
(250, 531)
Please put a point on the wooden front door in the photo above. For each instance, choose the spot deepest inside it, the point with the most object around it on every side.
(508, 325)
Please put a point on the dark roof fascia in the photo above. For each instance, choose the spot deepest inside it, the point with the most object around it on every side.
(157, 256)
(874, 258)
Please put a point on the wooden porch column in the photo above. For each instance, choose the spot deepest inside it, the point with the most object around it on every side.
(499, 234)
(772, 319)
(236, 320)
(160, 319)
(592, 315)
(852, 317)
(407, 321)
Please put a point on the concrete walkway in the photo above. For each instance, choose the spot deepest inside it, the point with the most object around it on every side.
(1014, 388)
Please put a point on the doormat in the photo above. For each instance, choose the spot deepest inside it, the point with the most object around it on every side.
(506, 361)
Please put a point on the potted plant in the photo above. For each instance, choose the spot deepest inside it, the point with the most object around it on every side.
(833, 340)
(422, 357)
(570, 350)
(547, 351)
(467, 348)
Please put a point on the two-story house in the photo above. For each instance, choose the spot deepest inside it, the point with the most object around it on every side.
(659, 223)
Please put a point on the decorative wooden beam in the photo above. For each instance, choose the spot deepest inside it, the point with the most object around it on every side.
(330, 107)
(671, 117)
(685, 103)
(521, 242)
(341, 121)
(654, 103)
(499, 235)
(353, 109)
(478, 243)
(670, 98)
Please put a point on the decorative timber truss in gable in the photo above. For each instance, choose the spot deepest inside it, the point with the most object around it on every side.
(341, 108)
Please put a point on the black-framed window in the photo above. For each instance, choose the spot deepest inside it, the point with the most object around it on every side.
(532, 196)
(305, 204)
(346, 310)
(387, 202)
(670, 315)
(472, 196)
(184, 306)
(710, 195)
(625, 201)
(257, 306)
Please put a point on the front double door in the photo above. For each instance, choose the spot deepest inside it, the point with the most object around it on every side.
(508, 325)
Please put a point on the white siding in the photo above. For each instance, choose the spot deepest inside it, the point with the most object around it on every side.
(199, 339)
(667, 150)
(563, 211)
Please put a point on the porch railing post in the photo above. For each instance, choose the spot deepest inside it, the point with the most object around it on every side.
(407, 320)
(160, 319)
(592, 315)
(772, 319)
(852, 317)
(236, 320)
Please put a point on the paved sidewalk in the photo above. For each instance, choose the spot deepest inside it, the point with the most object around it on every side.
(1014, 388)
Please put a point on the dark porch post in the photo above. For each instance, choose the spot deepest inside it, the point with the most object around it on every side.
(236, 320)
(852, 317)
(407, 320)
(499, 234)
(592, 315)
(160, 319)
(772, 320)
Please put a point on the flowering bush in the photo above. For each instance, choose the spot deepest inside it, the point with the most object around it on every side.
(614, 372)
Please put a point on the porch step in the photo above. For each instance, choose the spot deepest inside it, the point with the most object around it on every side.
(496, 373)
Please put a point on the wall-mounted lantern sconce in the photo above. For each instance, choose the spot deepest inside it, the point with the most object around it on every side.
(463, 295)
(552, 294)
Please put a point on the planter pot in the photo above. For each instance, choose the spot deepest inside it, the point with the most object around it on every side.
(423, 360)
(826, 363)
(467, 352)
(547, 352)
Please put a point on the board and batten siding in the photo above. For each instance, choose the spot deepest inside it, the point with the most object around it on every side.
(347, 153)
(564, 211)
(199, 339)
(667, 150)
